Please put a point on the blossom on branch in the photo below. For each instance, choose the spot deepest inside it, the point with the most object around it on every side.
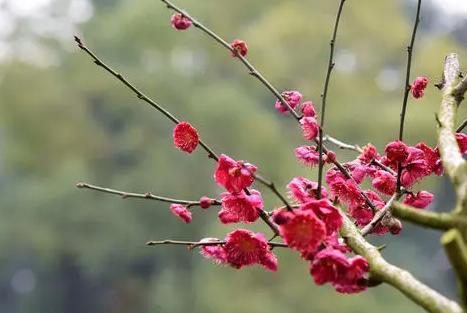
(240, 207)
(419, 200)
(418, 87)
(243, 247)
(308, 155)
(369, 154)
(462, 142)
(332, 266)
(185, 137)
(308, 109)
(239, 48)
(205, 202)
(292, 97)
(181, 211)
(384, 182)
(432, 158)
(327, 213)
(234, 175)
(180, 22)
(303, 190)
(310, 127)
(414, 167)
(396, 152)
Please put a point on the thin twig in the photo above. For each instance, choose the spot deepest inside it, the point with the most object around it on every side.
(407, 87)
(461, 126)
(194, 244)
(139, 93)
(171, 117)
(251, 69)
(324, 97)
(273, 188)
(264, 81)
(379, 215)
(347, 146)
(460, 89)
(147, 195)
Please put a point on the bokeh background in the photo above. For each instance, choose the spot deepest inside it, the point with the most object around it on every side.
(64, 120)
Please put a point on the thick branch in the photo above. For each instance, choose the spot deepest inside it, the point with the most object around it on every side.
(457, 254)
(420, 217)
(453, 162)
(400, 279)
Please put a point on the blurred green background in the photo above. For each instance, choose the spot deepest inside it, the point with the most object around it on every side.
(64, 120)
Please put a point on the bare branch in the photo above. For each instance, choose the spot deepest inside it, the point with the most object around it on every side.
(194, 244)
(147, 195)
(139, 93)
(166, 113)
(251, 69)
(379, 215)
(407, 86)
(461, 126)
(331, 64)
(356, 148)
(457, 253)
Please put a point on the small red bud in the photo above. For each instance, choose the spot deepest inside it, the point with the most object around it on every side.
(239, 47)
(205, 202)
(180, 22)
(280, 217)
(331, 157)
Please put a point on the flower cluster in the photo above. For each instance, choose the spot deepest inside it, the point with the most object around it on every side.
(312, 229)
(242, 247)
(311, 224)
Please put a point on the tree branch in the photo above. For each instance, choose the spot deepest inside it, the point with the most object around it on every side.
(139, 94)
(147, 195)
(251, 69)
(407, 87)
(331, 64)
(378, 216)
(263, 80)
(356, 148)
(457, 254)
(460, 90)
(194, 244)
(171, 117)
(453, 162)
(461, 126)
(424, 218)
(400, 279)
